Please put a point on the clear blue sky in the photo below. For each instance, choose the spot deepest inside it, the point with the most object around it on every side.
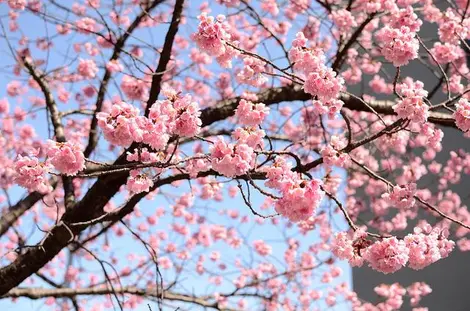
(33, 28)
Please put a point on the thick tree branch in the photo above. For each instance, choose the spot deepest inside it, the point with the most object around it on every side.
(16, 211)
(56, 120)
(38, 293)
(50, 101)
(165, 56)
(226, 108)
(118, 47)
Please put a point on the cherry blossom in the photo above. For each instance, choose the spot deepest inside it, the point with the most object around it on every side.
(399, 45)
(412, 106)
(87, 68)
(138, 182)
(231, 160)
(402, 197)
(299, 199)
(66, 157)
(388, 255)
(31, 174)
(462, 115)
(118, 123)
(251, 114)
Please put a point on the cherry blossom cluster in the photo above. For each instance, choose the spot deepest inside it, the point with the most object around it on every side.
(427, 245)
(134, 88)
(392, 294)
(31, 174)
(138, 182)
(348, 246)
(344, 20)
(402, 197)
(230, 159)
(299, 198)
(452, 28)
(419, 249)
(212, 37)
(177, 115)
(412, 106)
(332, 154)
(252, 72)
(416, 291)
(321, 81)
(87, 68)
(462, 115)
(67, 157)
(234, 159)
(251, 114)
(399, 45)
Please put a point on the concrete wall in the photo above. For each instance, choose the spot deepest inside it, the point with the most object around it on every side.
(449, 278)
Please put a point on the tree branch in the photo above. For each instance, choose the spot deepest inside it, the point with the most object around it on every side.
(165, 56)
(118, 47)
(16, 211)
(56, 120)
(38, 293)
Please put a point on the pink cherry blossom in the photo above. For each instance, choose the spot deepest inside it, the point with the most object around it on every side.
(252, 72)
(251, 136)
(262, 248)
(212, 34)
(31, 174)
(66, 157)
(87, 68)
(344, 20)
(399, 45)
(304, 59)
(451, 27)
(462, 115)
(138, 182)
(417, 290)
(134, 88)
(402, 197)
(324, 84)
(251, 114)
(412, 106)
(427, 246)
(332, 154)
(117, 125)
(231, 160)
(300, 199)
(17, 4)
(388, 255)
(446, 53)
(349, 246)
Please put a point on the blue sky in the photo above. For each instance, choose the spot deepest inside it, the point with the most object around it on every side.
(34, 27)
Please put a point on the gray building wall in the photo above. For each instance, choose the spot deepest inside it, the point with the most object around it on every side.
(449, 278)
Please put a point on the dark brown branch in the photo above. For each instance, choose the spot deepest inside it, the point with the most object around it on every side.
(38, 293)
(50, 101)
(341, 55)
(118, 47)
(16, 211)
(56, 120)
(165, 56)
